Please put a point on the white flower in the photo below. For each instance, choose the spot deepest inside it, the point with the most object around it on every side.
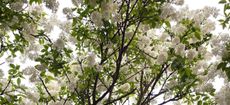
(96, 17)
(162, 57)
(144, 41)
(59, 44)
(9, 60)
(67, 10)
(163, 36)
(171, 84)
(167, 10)
(208, 26)
(29, 71)
(178, 2)
(32, 55)
(224, 37)
(56, 103)
(52, 4)
(75, 67)
(215, 41)
(77, 2)
(40, 67)
(191, 54)
(66, 26)
(101, 87)
(125, 87)
(17, 5)
(178, 29)
(29, 29)
(207, 11)
(223, 96)
(34, 77)
(175, 41)
(33, 95)
(53, 87)
(129, 35)
(180, 49)
(91, 59)
(99, 68)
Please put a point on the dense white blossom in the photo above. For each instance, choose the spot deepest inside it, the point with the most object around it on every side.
(91, 59)
(191, 54)
(175, 41)
(29, 70)
(223, 96)
(178, 29)
(208, 26)
(96, 17)
(77, 2)
(17, 5)
(167, 10)
(59, 44)
(54, 87)
(180, 49)
(52, 4)
(125, 87)
(178, 2)
(162, 57)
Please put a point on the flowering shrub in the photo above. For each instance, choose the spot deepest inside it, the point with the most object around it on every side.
(111, 52)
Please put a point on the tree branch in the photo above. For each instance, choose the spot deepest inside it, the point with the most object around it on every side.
(47, 89)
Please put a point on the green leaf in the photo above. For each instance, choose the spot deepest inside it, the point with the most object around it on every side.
(228, 74)
(167, 23)
(198, 35)
(221, 65)
(222, 1)
(12, 65)
(35, 1)
(19, 81)
(199, 102)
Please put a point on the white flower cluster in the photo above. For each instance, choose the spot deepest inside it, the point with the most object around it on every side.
(108, 11)
(52, 4)
(59, 44)
(17, 5)
(167, 11)
(49, 23)
(125, 87)
(91, 59)
(223, 96)
(54, 87)
(207, 87)
(28, 31)
(32, 73)
(68, 12)
(217, 43)
(77, 2)
(178, 2)
(192, 53)
(96, 17)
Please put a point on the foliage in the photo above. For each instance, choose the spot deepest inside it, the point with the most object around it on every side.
(110, 52)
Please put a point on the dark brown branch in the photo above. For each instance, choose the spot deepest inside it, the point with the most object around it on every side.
(47, 89)
(155, 82)
(6, 87)
(123, 96)
(175, 98)
(95, 88)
